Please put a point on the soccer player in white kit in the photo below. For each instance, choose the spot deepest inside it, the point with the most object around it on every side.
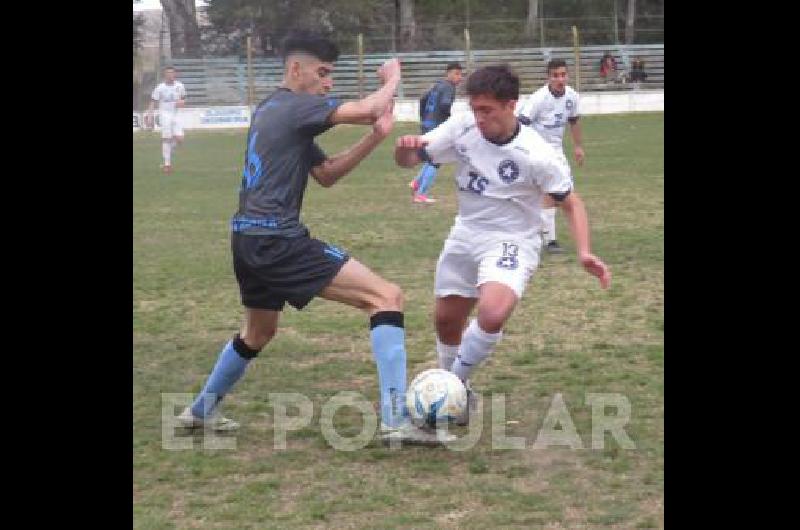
(549, 109)
(170, 95)
(504, 170)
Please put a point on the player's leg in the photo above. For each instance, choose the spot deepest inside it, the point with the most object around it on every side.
(166, 142)
(450, 319)
(496, 302)
(259, 326)
(357, 286)
(549, 238)
(504, 270)
(455, 289)
(427, 181)
(177, 132)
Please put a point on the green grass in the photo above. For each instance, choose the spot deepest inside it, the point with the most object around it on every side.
(567, 336)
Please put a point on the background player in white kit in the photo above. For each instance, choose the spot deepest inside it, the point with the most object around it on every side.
(504, 171)
(549, 109)
(170, 96)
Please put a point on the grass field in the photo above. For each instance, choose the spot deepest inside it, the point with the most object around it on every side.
(567, 336)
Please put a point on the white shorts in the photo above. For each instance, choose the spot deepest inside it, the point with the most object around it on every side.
(170, 125)
(464, 266)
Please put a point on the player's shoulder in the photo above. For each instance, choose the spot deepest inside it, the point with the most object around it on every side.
(531, 144)
(570, 92)
(541, 92)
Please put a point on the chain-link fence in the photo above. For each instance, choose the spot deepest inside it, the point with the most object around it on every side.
(389, 38)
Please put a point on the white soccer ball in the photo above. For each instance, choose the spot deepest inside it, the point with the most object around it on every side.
(435, 395)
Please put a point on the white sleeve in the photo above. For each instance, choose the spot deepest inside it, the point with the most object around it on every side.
(551, 171)
(441, 140)
(530, 108)
(156, 94)
(575, 112)
(181, 91)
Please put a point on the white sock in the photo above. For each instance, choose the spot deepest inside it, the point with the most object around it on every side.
(476, 345)
(447, 354)
(166, 150)
(549, 224)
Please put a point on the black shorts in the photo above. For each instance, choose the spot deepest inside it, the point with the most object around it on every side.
(274, 270)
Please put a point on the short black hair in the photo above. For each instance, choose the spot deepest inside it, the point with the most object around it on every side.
(453, 66)
(556, 63)
(497, 81)
(311, 43)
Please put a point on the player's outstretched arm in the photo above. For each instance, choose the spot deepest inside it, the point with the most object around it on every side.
(370, 109)
(405, 150)
(575, 211)
(332, 169)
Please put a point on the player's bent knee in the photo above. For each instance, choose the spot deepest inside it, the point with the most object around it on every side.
(492, 320)
(391, 297)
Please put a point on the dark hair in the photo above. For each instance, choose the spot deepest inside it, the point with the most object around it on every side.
(453, 66)
(556, 63)
(310, 43)
(497, 81)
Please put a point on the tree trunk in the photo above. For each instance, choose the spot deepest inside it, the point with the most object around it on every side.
(629, 26)
(408, 28)
(532, 25)
(184, 34)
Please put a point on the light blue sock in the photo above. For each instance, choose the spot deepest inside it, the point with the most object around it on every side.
(427, 177)
(388, 348)
(229, 369)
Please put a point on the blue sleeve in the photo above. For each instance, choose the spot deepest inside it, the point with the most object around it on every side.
(448, 95)
(311, 113)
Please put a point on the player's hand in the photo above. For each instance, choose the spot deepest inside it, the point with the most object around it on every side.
(411, 141)
(389, 70)
(579, 155)
(383, 126)
(596, 267)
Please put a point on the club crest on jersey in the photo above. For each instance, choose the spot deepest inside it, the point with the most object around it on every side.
(508, 171)
(569, 104)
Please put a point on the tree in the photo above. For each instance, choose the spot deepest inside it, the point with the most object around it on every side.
(138, 22)
(184, 34)
(532, 25)
(408, 27)
(629, 24)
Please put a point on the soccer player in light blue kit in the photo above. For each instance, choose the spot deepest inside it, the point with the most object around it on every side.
(434, 109)
(276, 260)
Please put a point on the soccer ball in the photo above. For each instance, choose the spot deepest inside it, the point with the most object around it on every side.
(435, 395)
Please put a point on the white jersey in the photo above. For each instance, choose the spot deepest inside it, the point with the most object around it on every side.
(167, 95)
(549, 114)
(500, 187)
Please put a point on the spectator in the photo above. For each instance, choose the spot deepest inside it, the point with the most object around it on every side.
(637, 70)
(609, 70)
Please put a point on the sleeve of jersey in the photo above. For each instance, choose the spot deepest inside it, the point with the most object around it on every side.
(316, 155)
(312, 112)
(529, 108)
(155, 94)
(553, 173)
(576, 110)
(448, 96)
(441, 142)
